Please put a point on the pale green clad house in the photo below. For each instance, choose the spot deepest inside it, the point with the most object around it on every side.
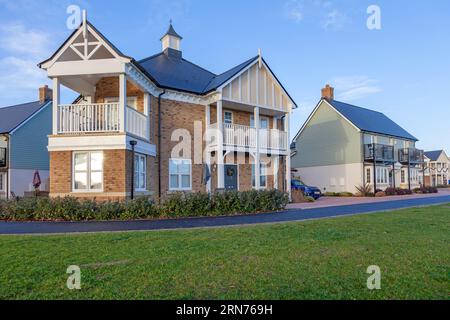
(341, 147)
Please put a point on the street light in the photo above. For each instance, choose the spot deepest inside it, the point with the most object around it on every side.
(133, 144)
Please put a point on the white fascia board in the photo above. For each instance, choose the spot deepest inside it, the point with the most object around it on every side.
(88, 67)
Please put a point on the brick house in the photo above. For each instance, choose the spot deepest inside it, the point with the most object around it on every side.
(194, 130)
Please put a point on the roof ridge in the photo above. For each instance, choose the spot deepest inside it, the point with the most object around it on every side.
(21, 104)
(150, 57)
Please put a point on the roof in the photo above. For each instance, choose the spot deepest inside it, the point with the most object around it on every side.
(371, 121)
(180, 74)
(433, 155)
(13, 116)
(171, 32)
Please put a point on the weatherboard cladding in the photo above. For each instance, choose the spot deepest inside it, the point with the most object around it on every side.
(371, 121)
(11, 117)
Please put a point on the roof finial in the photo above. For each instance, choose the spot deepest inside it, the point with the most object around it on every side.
(84, 23)
(170, 21)
(259, 58)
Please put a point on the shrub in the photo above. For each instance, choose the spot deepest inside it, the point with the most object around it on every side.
(380, 194)
(176, 205)
(310, 199)
(365, 191)
(345, 194)
(390, 191)
(426, 190)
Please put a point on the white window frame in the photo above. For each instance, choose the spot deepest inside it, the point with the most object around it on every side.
(133, 99)
(140, 156)
(368, 176)
(263, 170)
(225, 118)
(382, 175)
(403, 176)
(180, 188)
(88, 173)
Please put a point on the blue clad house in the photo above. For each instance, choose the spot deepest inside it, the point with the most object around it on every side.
(24, 131)
(341, 147)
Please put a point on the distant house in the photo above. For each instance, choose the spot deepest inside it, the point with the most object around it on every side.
(437, 166)
(342, 146)
(24, 131)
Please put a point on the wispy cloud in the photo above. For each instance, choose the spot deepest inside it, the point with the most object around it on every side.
(334, 20)
(16, 38)
(350, 88)
(294, 10)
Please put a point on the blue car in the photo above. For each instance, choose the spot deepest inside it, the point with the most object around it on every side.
(308, 191)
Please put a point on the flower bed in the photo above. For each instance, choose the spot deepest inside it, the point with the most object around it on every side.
(177, 205)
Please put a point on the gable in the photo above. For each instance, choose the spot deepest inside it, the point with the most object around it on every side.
(257, 85)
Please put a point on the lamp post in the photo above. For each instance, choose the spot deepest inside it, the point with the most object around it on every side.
(133, 144)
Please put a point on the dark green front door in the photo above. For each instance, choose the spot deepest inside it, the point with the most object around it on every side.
(231, 177)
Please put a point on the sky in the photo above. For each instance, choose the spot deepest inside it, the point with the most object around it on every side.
(401, 69)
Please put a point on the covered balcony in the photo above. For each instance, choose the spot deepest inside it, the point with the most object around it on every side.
(410, 156)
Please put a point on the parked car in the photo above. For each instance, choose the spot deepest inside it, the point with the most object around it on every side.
(308, 191)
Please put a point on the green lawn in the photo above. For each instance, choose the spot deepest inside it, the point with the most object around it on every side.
(323, 259)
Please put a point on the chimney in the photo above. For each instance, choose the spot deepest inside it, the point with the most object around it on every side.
(328, 92)
(45, 94)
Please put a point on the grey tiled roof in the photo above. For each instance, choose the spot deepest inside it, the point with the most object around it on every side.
(371, 121)
(11, 117)
(433, 155)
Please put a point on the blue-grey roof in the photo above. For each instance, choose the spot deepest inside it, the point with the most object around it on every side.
(171, 32)
(433, 155)
(371, 121)
(175, 73)
(11, 117)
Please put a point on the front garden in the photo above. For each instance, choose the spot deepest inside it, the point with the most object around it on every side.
(177, 205)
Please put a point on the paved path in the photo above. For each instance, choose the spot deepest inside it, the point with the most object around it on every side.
(285, 216)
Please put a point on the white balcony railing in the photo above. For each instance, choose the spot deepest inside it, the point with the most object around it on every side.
(245, 136)
(99, 118)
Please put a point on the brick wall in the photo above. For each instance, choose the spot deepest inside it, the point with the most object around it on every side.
(109, 88)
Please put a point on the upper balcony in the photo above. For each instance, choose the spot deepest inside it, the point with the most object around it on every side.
(411, 156)
(243, 138)
(379, 153)
(78, 119)
(2, 157)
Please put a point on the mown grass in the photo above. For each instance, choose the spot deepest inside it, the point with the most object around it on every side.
(323, 259)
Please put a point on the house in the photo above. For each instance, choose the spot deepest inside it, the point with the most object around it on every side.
(437, 165)
(341, 147)
(23, 144)
(162, 124)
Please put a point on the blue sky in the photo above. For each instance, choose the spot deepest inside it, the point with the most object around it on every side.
(402, 70)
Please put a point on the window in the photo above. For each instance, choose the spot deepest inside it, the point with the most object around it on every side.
(228, 117)
(2, 182)
(262, 174)
(140, 172)
(382, 175)
(131, 101)
(368, 176)
(263, 122)
(180, 174)
(88, 171)
(403, 176)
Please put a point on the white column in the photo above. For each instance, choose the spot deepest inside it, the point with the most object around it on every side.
(276, 160)
(208, 152)
(55, 106)
(147, 107)
(122, 101)
(257, 154)
(288, 156)
(220, 160)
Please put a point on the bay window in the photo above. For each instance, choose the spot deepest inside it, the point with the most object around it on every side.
(88, 171)
(180, 174)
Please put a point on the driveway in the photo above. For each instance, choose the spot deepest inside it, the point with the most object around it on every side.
(345, 201)
(275, 217)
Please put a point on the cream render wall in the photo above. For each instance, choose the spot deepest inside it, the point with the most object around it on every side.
(334, 178)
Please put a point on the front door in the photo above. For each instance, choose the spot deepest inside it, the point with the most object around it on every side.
(231, 173)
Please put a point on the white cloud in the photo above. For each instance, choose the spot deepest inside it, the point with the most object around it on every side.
(334, 20)
(355, 87)
(294, 10)
(16, 38)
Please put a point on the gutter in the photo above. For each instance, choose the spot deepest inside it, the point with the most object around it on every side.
(159, 144)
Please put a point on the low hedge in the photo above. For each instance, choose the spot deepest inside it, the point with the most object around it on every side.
(176, 205)
(425, 190)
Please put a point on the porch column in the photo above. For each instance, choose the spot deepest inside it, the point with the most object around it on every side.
(257, 154)
(288, 156)
(122, 101)
(208, 152)
(56, 102)
(147, 108)
(219, 136)
(276, 160)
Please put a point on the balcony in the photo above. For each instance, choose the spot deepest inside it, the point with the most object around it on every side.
(244, 137)
(79, 119)
(378, 153)
(410, 155)
(2, 157)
